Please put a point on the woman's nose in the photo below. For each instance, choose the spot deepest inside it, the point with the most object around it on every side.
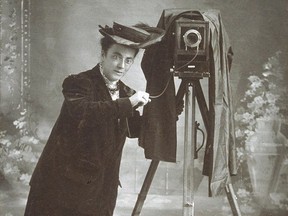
(121, 63)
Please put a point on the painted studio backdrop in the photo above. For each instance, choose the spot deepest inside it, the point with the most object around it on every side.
(42, 42)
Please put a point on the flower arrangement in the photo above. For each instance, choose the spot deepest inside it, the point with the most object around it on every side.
(265, 99)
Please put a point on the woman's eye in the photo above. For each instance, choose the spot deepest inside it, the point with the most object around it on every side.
(128, 61)
(116, 57)
(120, 58)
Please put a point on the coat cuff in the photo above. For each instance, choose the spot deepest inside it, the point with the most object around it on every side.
(125, 107)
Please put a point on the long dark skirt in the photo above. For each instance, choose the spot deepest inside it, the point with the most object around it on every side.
(44, 201)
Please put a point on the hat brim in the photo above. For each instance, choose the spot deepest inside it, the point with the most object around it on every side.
(136, 37)
(119, 40)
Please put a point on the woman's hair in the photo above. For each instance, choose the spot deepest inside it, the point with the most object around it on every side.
(107, 42)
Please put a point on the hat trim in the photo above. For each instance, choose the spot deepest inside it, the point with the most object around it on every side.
(134, 36)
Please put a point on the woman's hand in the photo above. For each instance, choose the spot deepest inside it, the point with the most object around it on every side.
(140, 98)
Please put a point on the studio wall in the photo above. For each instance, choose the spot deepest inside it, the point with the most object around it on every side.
(64, 38)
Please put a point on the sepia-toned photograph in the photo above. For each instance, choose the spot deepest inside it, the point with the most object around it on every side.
(143, 108)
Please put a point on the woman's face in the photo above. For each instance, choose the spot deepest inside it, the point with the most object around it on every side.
(117, 61)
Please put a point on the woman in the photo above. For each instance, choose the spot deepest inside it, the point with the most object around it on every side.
(78, 171)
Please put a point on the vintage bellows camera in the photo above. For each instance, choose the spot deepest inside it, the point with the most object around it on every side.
(191, 52)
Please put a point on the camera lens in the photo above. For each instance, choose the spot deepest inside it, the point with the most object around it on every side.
(192, 38)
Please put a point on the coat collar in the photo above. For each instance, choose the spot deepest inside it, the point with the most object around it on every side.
(98, 79)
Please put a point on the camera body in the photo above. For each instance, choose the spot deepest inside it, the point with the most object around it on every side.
(191, 50)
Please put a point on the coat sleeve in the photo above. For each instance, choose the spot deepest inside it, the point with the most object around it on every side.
(79, 100)
(134, 125)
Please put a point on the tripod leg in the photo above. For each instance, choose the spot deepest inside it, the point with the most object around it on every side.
(189, 145)
(145, 187)
(232, 200)
(202, 103)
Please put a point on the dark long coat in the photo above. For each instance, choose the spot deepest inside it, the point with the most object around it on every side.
(78, 171)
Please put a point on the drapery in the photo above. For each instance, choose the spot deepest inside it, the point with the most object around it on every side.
(159, 133)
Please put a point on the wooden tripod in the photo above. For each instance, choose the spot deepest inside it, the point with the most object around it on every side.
(189, 150)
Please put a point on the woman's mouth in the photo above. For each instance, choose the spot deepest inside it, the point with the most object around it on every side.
(118, 72)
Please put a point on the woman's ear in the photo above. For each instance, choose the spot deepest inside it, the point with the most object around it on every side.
(102, 56)
(102, 53)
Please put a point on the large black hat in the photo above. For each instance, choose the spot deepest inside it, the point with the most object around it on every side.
(137, 36)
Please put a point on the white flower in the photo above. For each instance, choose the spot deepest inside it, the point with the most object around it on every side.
(15, 154)
(6, 142)
(23, 112)
(34, 140)
(272, 98)
(247, 117)
(29, 157)
(259, 100)
(25, 178)
(21, 125)
(249, 93)
(272, 85)
(239, 133)
(240, 152)
(256, 82)
(249, 132)
(267, 66)
(256, 104)
(10, 170)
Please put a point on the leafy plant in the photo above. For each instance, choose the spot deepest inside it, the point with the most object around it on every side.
(18, 152)
(265, 98)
